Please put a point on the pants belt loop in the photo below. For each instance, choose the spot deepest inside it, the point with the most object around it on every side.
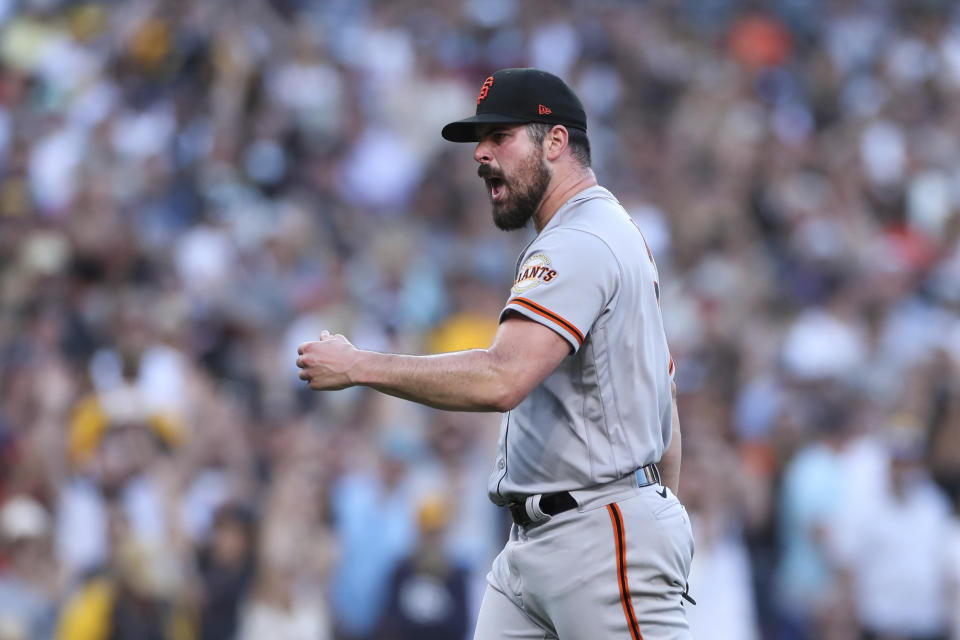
(532, 505)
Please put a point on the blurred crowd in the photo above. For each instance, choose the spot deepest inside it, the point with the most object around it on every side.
(189, 189)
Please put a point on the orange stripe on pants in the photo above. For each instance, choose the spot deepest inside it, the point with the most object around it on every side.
(619, 536)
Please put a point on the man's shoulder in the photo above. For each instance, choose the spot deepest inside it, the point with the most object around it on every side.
(579, 237)
(594, 213)
(596, 210)
(591, 226)
(595, 197)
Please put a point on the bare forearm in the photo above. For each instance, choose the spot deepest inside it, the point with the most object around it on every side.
(523, 353)
(670, 463)
(472, 380)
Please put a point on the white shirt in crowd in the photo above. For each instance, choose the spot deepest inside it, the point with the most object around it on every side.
(896, 551)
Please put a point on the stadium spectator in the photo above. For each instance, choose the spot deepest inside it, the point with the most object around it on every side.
(29, 589)
(428, 592)
(225, 567)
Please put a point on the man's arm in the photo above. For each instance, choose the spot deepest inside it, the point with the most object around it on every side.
(522, 355)
(670, 463)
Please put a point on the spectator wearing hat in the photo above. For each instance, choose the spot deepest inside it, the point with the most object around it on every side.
(28, 586)
(428, 591)
(116, 450)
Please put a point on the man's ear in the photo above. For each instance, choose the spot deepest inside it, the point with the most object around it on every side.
(555, 142)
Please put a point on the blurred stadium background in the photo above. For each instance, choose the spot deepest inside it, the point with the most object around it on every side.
(188, 189)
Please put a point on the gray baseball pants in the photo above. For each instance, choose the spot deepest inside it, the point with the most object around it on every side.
(608, 569)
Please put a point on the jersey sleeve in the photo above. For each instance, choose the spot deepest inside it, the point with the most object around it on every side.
(565, 281)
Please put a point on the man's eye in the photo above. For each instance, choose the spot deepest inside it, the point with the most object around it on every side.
(499, 137)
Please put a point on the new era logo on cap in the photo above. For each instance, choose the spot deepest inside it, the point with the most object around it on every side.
(520, 96)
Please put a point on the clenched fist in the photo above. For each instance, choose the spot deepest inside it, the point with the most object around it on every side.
(326, 362)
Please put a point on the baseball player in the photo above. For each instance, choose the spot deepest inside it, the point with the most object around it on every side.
(589, 449)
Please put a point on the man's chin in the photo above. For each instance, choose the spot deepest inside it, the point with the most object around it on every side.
(509, 220)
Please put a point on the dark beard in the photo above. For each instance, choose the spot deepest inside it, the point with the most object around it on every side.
(524, 195)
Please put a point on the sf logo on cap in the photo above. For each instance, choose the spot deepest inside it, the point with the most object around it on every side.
(485, 89)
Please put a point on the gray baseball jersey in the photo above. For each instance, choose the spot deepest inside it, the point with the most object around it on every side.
(606, 410)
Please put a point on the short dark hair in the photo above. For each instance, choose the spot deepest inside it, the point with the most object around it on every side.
(577, 139)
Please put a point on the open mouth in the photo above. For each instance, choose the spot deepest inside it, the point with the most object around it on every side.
(497, 186)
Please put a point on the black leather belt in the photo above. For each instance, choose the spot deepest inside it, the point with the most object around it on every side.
(551, 504)
(554, 503)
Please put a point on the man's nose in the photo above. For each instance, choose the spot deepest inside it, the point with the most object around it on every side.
(482, 152)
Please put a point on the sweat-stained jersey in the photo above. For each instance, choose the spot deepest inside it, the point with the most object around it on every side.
(606, 409)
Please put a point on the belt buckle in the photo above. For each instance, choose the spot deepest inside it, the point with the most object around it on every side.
(647, 474)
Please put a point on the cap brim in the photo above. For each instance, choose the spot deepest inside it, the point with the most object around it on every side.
(466, 130)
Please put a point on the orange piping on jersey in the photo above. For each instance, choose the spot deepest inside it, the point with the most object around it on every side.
(550, 315)
(619, 536)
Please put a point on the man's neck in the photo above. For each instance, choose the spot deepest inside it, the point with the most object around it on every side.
(561, 189)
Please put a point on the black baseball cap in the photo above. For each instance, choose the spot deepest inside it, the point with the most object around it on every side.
(520, 96)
